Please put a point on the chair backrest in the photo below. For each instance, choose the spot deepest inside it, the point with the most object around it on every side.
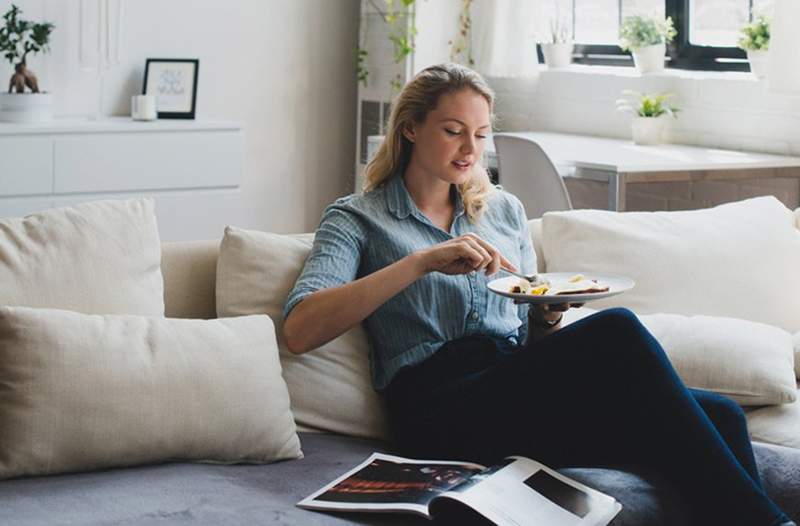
(526, 171)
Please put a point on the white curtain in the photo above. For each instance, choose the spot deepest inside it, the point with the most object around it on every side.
(504, 37)
(784, 49)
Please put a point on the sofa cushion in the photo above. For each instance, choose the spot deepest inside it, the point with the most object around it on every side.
(190, 274)
(87, 391)
(737, 260)
(776, 424)
(330, 387)
(797, 354)
(102, 257)
(752, 363)
(245, 495)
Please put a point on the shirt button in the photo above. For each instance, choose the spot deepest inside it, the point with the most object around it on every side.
(473, 315)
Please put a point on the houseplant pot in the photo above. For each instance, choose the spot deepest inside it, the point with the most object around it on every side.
(647, 130)
(26, 107)
(758, 62)
(557, 54)
(650, 59)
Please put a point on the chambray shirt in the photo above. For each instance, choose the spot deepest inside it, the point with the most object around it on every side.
(360, 234)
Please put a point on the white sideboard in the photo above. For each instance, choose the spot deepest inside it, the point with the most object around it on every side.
(190, 167)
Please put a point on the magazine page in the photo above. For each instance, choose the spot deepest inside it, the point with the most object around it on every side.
(390, 483)
(523, 492)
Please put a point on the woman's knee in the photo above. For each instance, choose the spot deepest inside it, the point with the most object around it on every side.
(720, 409)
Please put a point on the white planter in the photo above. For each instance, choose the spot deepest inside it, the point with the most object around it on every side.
(758, 63)
(647, 130)
(26, 107)
(650, 59)
(557, 55)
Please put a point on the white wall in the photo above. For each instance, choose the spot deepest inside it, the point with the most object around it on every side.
(726, 110)
(284, 68)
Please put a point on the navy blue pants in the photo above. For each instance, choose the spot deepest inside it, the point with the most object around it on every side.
(600, 392)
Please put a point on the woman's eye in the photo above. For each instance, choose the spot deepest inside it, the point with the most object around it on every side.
(450, 132)
(480, 137)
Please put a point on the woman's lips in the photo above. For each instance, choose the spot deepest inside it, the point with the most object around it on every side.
(462, 165)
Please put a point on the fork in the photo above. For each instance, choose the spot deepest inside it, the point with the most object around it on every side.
(532, 278)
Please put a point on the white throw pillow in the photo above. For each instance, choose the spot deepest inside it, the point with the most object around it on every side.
(102, 257)
(776, 424)
(750, 362)
(330, 387)
(85, 391)
(738, 260)
(797, 354)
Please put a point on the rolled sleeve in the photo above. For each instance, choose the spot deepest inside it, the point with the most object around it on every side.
(334, 258)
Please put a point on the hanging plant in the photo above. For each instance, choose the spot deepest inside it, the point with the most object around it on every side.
(460, 48)
(402, 39)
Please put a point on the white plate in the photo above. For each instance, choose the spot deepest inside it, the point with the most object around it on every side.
(616, 285)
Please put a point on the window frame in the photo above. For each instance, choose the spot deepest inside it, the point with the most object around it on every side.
(681, 54)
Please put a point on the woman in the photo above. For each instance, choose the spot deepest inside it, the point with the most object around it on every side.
(464, 376)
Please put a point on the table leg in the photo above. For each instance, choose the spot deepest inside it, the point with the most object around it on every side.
(616, 191)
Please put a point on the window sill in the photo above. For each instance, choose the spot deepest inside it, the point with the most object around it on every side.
(629, 72)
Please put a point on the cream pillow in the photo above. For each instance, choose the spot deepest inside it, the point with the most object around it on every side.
(777, 424)
(738, 260)
(84, 391)
(750, 362)
(796, 338)
(102, 257)
(330, 387)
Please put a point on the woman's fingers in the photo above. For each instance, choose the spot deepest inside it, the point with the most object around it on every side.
(558, 307)
(486, 257)
(497, 259)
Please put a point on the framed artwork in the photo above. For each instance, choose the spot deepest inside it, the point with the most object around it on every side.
(174, 83)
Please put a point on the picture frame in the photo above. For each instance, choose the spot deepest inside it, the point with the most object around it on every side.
(174, 83)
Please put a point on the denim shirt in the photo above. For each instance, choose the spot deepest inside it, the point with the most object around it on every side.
(360, 234)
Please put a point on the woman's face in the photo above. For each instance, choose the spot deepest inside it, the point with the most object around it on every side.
(451, 140)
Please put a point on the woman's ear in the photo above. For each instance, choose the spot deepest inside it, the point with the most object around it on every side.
(408, 133)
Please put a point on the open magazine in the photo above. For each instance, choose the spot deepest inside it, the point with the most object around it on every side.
(516, 492)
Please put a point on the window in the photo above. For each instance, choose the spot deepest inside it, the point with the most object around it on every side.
(707, 29)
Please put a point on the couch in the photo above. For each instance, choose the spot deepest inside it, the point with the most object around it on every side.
(187, 493)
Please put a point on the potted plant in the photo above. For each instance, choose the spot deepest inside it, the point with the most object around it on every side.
(19, 39)
(557, 50)
(755, 41)
(648, 112)
(647, 38)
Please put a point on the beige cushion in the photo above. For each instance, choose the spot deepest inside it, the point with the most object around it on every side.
(330, 387)
(102, 257)
(738, 260)
(190, 274)
(86, 391)
(797, 354)
(535, 229)
(777, 424)
(750, 362)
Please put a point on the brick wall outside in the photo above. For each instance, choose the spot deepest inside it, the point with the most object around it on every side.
(699, 190)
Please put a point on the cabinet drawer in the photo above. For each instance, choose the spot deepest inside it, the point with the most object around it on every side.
(152, 161)
(26, 165)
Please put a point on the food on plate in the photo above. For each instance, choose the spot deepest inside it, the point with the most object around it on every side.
(577, 284)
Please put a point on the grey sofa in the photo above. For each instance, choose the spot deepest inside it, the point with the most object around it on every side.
(183, 493)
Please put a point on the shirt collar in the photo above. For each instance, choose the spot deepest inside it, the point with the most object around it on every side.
(402, 205)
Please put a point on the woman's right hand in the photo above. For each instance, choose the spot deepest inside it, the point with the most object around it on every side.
(463, 254)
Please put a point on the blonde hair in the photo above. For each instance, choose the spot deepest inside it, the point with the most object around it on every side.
(418, 98)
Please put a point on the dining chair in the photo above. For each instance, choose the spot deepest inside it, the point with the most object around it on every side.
(526, 171)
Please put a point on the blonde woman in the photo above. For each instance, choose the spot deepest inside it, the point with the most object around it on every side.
(469, 375)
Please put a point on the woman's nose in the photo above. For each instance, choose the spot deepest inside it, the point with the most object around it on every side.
(468, 146)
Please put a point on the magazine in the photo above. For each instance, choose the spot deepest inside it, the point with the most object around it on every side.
(516, 492)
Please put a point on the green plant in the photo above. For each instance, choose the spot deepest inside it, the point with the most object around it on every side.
(639, 31)
(18, 39)
(460, 49)
(402, 38)
(646, 104)
(755, 36)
